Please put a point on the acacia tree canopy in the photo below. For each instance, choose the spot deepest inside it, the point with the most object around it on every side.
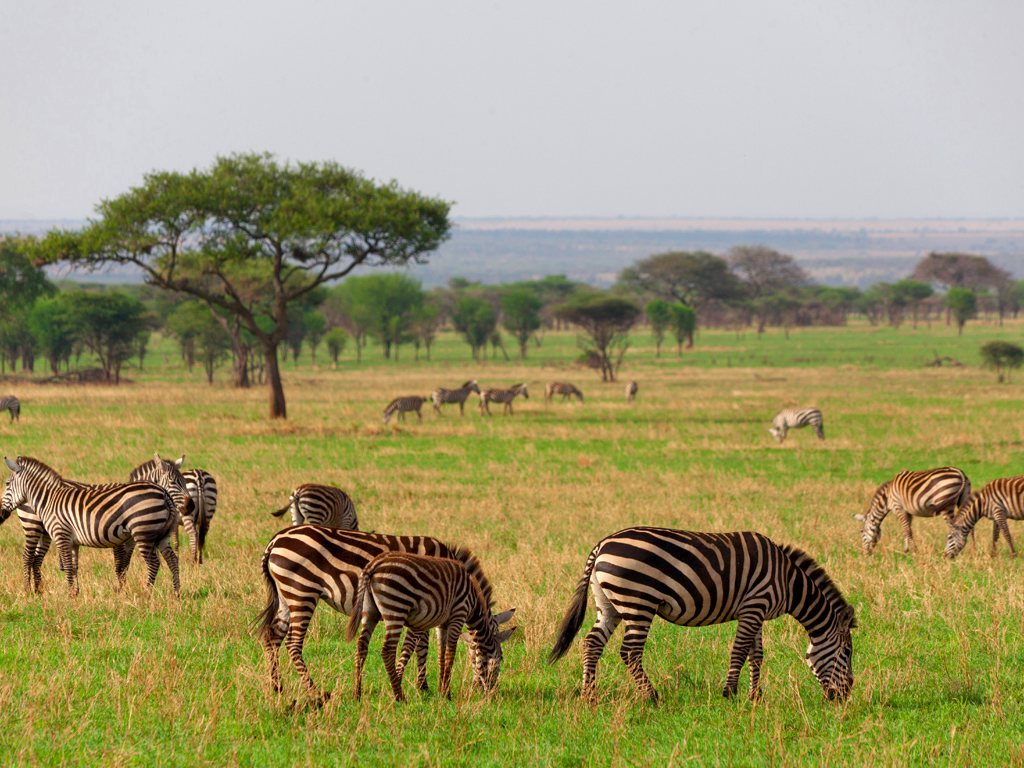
(693, 278)
(251, 235)
(605, 322)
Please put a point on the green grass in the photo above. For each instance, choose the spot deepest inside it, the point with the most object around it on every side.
(150, 680)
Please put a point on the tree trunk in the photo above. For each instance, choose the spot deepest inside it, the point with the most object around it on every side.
(689, 339)
(522, 348)
(278, 410)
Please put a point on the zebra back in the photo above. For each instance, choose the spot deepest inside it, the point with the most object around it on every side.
(12, 404)
(321, 505)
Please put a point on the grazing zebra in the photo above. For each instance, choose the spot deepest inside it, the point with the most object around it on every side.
(403, 405)
(697, 579)
(440, 396)
(505, 396)
(794, 418)
(927, 493)
(1000, 500)
(167, 475)
(631, 390)
(12, 404)
(422, 592)
(321, 505)
(306, 564)
(560, 388)
(124, 515)
(202, 487)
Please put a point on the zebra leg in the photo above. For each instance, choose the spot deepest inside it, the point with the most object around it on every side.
(301, 613)
(28, 557)
(122, 559)
(597, 638)
(362, 648)
(908, 534)
(755, 656)
(1005, 529)
(446, 653)
(67, 560)
(193, 537)
(171, 558)
(392, 635)
(37, 564)
(416, 643)
(152, 561)
(819, 430)
(632, 653)
(747, 629)
(419, 416)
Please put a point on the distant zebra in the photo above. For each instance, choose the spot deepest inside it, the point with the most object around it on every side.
(1000, 500)
(306, 564)
(403, 405)
(631, 390)
(697, 579)
(505, 396)
(794, 418)
(421, 592)
(440, 396)
(167, 475)
(321, 505)
(927, 493)
(12, 404)
(202, 487)
(561, 388)
(129, 515)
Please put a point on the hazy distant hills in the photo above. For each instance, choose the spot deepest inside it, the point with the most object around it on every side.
(839, 252)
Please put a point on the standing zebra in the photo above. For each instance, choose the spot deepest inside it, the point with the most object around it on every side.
(403, 405)
(321, 505)
(1000, 500)
(505, 396)
(167, 475)
(128, 515)
(12, 404)
(631, 390)
(421, 592)
(441, 396)
(697, 579)
(794, 418)
(202, 487)
(306, 564)
(561, 388)
(927, 493)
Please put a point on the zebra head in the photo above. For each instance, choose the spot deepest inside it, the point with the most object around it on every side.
(830, 657)
(777, 433)
(956, 539)
(485, 654)
(15, 492)
(871, 531)
(167, 475)
(521, 388)
(472, 386)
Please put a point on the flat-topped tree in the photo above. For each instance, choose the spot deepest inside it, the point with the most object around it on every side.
(249, 236)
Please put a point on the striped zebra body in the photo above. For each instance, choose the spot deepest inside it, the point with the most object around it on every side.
(697, 579)
(167, 474)
(321, 505)
(442, 396)
(422, 592)
(794, 418)
(12, 404)
(76, 515)
(505, 396)
(307, 564)
(631, 389)
(202, 487)
(403, 405)
(561, 388)
(926, 493)
(999, 501)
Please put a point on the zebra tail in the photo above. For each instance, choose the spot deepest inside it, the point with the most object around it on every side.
(577, 610)
(965, 494)
(352, 628)
(269, 614)
(281, 511)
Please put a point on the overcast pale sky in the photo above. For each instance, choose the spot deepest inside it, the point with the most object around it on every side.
(741, 109)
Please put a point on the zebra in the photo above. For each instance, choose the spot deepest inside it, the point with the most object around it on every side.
(440, 396)
(202, 487)
(321, 505)
(403, 405)
(1000, 500)
(138, 514)
(421, 592)
(167, 474)
(697, 579)
(12, 404)
(561, 388)
(631, 390)
(927, 493)
(505, 396)
(308, 563)
(794, 418)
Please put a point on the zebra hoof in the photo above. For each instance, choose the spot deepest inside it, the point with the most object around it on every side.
(728, 692)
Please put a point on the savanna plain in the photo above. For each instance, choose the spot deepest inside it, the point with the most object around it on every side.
(148, 679)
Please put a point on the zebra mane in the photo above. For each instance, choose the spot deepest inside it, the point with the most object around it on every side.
(468, 384)
(465, 556)
(38, 467)
(817, 574)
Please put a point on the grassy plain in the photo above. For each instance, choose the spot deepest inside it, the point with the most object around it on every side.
(150, 680)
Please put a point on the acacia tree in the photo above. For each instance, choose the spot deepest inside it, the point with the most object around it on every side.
(659, 312)
(1003, 356)
(109, 324)
(605, 322)
(963, 304)
(764, 270)
(521, 311)
(683, 321)
(336, 339)
(476, 320)
(251, 236)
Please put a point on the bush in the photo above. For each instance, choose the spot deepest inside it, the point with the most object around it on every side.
(1003, 356)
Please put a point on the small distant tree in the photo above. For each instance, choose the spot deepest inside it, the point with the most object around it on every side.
(336, 339)
(425, 321)
(913, 292)
(684, 321)
(963, 304)
(316, 327)
(1002, 356)
(659, 312)
(521, 316)
(497, 342)
(605, 322)
(53, 330)
(476, 320)
(109, 324)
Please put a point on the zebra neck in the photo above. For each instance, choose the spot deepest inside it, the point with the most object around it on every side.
(972, 515)
(809, 605)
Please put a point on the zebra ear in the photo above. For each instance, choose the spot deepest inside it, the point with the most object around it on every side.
(13, 465)
(847, 618)
(504, 616)
(506, 634)
(464, 637)
(859, 518)
(179, 462)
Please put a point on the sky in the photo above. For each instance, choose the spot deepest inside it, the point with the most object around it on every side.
(895, 109)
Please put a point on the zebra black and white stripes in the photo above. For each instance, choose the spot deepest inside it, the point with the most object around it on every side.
(403, 405)
(926, 493)
(697, 579)
(505, 396)
(441, 396)
(420, 592)
(12, 404)
(564, 389)
(794, 418)
(321, 505)
(1000, 500)
(168, 476)
(631, 389)
(202, 487)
